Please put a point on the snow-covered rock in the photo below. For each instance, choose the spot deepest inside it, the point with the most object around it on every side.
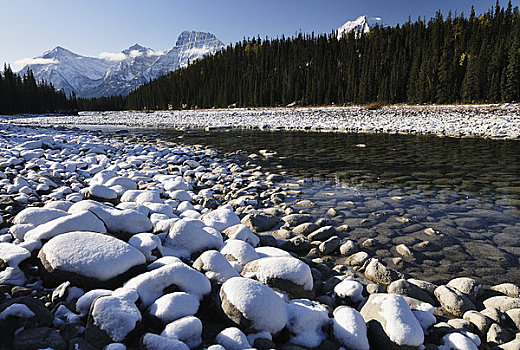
(349, 289)
(150, 285)
(221, 218)
(187, 329)
(13, 254)
(152, 341)
(238, 251)
(391, 321)
(233, 338)
(89, 260)
(215, 266)
(83, 220)
(112, 319)
(186, 238)
(37, 216)
(252, 305)
(306, 322)
(243, 233)
(349, 328)
(171, 307)
(285, 273)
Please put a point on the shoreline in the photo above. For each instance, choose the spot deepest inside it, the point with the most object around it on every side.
(166, 191)
(478, 121)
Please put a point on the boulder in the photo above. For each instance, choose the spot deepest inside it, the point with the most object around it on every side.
(391, 323)
(453, 301)
(252, 305)
(89, 260)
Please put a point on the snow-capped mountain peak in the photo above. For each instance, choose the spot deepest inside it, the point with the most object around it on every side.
(362, 24)
(118, 73)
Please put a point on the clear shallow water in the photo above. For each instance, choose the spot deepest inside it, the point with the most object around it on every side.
(394, 187)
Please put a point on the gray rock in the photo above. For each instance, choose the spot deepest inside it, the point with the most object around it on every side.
(502, 303)
(508, 289)
(39, 338)
(330, 245)
(275, 178)
(379, 273)
(459, 323)
(322, 233)
(468, 286)
(373, 288)
(297, 244)
(296, 219)
(356, 259)
(479, 320)
(403, 287)
(348, 248)
(498, 334)
(305, 229)
(453, 301)
(260, 222)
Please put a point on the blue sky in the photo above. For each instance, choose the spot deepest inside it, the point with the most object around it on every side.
(90, 27)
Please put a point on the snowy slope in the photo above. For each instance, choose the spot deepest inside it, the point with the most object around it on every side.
(94, 77)
(362, 24)
(69, 71)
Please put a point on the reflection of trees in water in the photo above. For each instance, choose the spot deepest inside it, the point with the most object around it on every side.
(465, 165)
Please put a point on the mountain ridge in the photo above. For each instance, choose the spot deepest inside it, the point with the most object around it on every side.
(114, 74)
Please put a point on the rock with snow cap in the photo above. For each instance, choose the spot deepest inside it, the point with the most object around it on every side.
(233, 338)
(288, 274)
(152, 284)
(221, 218)
(172, 306)
(113, 318)
(150, 341)
(187, 329)
(306, 322)
(187, 237)
(349, 328)
(252, 305)
(391, 323)
(82, 220)
(243, 233)
(37, 216)
(215, 266)
(89, 260)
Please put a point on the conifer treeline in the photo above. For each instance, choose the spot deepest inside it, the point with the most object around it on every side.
(22, 94)
(445, 60)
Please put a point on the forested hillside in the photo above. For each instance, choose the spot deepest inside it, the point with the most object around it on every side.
(22, 94)
(450, 59)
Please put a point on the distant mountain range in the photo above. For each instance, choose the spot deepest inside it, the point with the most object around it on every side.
(120, 73)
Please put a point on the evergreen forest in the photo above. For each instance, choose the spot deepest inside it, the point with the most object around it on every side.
(447, 59)
(22, 94)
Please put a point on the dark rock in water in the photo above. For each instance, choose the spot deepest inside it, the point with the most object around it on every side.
(39, 338)
(472, 223)
(330, 245)
(260, 222)
(296, 219)
(305, 229)
(322, 233)
(297, 244)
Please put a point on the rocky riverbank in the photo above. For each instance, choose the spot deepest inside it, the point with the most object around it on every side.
(486, 121)
(124, 241)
